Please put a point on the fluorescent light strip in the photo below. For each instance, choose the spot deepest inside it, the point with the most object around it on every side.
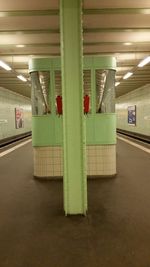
(117, 83)
(20, 45)
(4, 65)
(7, 67)
(144, 62)
(22, 78)
(127, 43)
(127, 75)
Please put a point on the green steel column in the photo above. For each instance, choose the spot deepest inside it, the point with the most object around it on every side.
(75, 188)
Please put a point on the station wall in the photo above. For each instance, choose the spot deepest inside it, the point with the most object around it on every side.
(15, 114)
(133, 111)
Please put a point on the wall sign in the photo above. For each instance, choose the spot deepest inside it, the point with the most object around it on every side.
(132, 115)
(19, 121)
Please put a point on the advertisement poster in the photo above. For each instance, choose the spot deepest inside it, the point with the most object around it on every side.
(132, 115)
(19, 118)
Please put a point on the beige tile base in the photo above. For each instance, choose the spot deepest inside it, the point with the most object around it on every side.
(48, 161)
(101, 161)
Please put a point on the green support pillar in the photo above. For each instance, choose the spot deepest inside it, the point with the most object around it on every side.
(75, 187)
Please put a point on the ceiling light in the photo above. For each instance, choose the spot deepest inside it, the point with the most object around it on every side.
(127, 75)
(22, 78)
(20, 45)
(117, 83)
(4, 65)
(127, 43)
(144, 62)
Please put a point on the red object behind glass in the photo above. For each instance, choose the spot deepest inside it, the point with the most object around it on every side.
(86, 104)
(59, 104)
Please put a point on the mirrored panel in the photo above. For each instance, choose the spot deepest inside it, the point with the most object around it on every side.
(40, 92)
(105, 91)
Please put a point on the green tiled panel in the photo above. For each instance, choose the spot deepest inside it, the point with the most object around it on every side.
(141, 98)
(101, 129)
(46, 130)
(8, 102)
(99, 62)
(91, 62)
(43, 64)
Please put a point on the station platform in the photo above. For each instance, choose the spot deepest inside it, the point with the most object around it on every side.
(116, 231)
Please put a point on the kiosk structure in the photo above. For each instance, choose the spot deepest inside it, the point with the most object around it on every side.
(97, 115)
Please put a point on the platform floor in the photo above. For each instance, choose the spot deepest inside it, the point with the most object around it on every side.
(35, 233)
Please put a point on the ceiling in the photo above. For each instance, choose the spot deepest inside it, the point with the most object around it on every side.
(119, 28)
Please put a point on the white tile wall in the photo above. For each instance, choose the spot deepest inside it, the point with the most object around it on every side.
(141, 98)
(8, 102)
